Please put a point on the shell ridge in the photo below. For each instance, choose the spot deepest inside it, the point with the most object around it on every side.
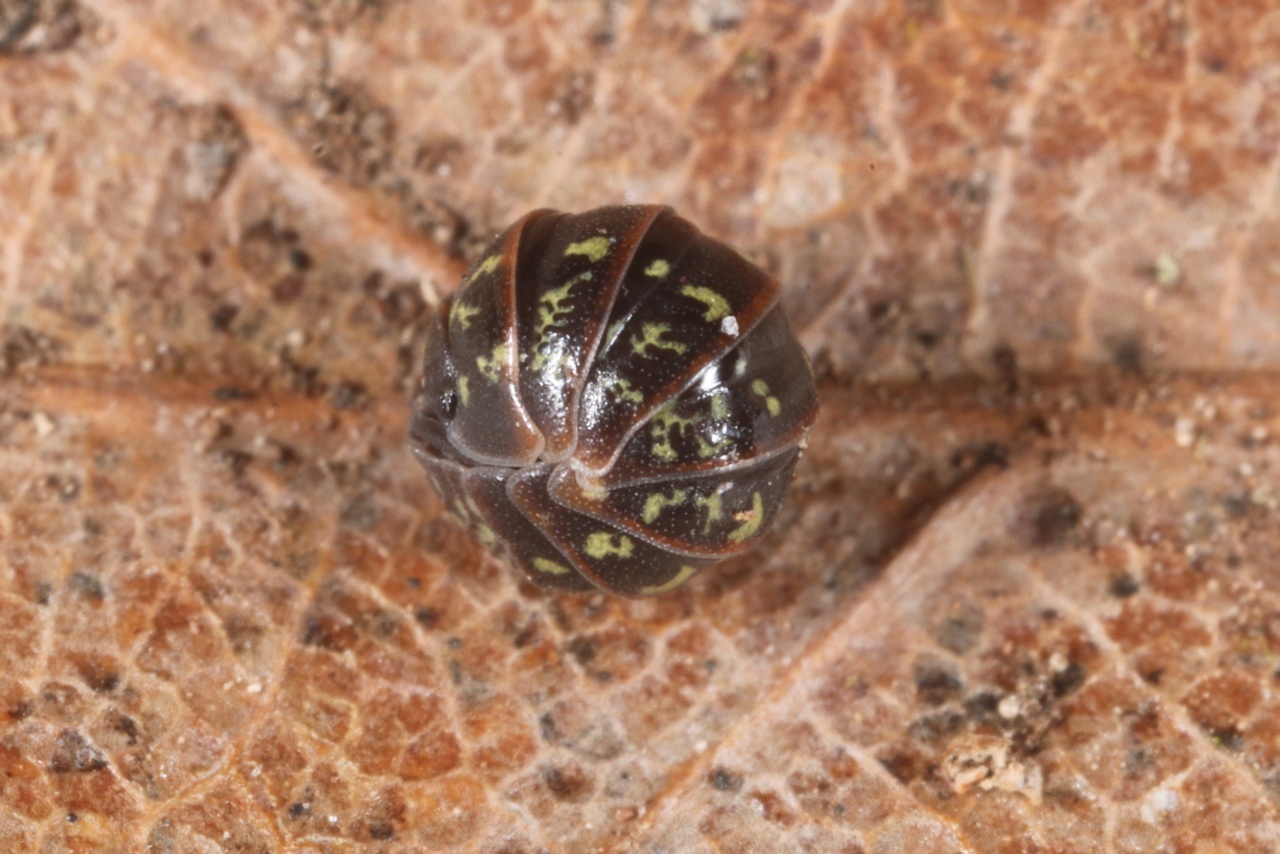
(569, 281)
(592, 349)
(632, 529)
(674, 269)
(730, 413)
(792, 439)
(510, 286)
(513, 483)
(488, 496)
(506, 377)
(612, 400)
(647, 296)
(643, 417)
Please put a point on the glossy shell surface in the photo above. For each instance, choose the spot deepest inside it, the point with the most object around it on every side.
(613, 400)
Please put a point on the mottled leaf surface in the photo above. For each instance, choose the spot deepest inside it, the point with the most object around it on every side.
(1025, 596)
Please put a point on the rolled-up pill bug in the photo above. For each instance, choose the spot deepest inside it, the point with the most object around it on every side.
(613, 400)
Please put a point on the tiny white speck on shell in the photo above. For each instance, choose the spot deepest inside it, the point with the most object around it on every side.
(729, 326)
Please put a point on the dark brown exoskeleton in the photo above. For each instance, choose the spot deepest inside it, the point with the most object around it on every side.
(613, 400)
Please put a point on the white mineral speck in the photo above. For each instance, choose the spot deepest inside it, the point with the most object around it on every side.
(1184, 432)
(1156, 802)
(1167, 269)
(709, 16)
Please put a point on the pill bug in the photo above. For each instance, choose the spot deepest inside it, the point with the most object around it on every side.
(612, 400)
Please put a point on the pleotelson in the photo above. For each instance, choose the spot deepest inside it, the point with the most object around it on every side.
(613, 400)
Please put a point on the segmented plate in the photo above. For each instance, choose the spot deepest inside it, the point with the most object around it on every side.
(613, 400)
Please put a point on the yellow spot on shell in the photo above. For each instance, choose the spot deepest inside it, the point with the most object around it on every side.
(622, 392)
(706, 449)
(665, 422)
(552, 365)
(761, 388)
(685, 573)
(715, 510)
(717, 306)
(656, 501)
(461, 313)
(483, 532)
(658, 269)
(751, 520)
(720, 405)
(491, 368)
(602, 544)
(594, 248)
(552, 312)
(464, 390)
(549, 566)
(651, 336)
(488, 265)
(459, 512)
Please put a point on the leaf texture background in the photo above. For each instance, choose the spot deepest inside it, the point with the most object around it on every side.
(1026, 593)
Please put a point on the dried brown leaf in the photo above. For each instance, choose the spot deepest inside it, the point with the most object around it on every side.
(1024, 597)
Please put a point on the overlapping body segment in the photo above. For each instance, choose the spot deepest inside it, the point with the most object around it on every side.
(613, 400)
(565, 294)
(491, 424)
